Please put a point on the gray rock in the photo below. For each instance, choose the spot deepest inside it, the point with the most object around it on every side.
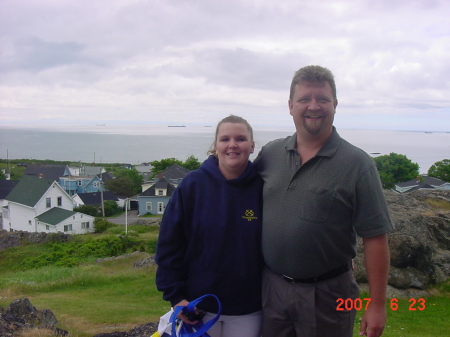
(149, 261)
(22, 315)
(17, 238)
(420, 243)
(22, 308)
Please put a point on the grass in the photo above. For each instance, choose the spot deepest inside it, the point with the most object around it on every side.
(403, 321)
(91, 298)
(113, 296)
(438, 204)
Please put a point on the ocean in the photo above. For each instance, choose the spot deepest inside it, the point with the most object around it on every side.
(135, 144)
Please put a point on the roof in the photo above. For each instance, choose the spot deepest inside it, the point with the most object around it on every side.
(29, 190)
(104, 176)
(95, 198)
(143, 168)
(421, 186)
(55, 215)
(91, 170)
(6, 186)
(161, 184)
(174, 171)
(422, 180)
(52, 172)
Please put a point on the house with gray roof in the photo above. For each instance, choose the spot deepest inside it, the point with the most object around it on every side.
(94, 199)
(173, 174)
(421, 183)
(42, 205)
(47, 171)
(154, 200)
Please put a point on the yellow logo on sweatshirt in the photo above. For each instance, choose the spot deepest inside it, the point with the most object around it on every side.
(249, 215)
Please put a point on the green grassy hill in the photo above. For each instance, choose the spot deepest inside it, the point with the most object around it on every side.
(86, 297)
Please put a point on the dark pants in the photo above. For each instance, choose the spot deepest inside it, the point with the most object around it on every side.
(307, 309)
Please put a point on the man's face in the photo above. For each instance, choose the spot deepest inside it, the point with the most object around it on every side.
(313, 108)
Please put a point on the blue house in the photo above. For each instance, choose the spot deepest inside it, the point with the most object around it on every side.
(154, 200)
(81, 184)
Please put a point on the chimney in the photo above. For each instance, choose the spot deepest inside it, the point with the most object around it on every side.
(41, 175)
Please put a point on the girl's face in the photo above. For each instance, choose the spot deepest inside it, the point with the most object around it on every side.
(233, 148)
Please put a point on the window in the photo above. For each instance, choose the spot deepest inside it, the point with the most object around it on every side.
(67, 228)
(79, 182)
(96, 184)
(48, 202)
(160, 207)
(47, 227)
(85, 225)
(30, 223)
(59, 201)
(160, 192)
(148, 206)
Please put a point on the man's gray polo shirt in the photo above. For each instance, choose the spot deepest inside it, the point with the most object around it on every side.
(313, 212)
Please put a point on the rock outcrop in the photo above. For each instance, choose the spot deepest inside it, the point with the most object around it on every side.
(420, 243)
(18, 238)
(22, 315)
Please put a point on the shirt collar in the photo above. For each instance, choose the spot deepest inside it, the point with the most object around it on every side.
(327, 150)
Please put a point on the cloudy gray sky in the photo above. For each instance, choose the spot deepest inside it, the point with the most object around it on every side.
(196, 61)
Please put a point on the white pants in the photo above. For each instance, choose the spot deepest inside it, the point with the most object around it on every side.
(235, 326)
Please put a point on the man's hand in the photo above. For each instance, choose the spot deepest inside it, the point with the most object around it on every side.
(373, 321)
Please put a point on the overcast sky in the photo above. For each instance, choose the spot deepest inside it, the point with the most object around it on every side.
(196, 61)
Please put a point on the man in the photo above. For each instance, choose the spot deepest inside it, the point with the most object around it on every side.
(319, 193)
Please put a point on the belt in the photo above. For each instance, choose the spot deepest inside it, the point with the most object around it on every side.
(326, 276)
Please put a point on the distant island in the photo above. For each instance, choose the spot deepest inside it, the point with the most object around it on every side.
(176, 126)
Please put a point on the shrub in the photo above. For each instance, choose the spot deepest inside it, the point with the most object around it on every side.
(101, 225)
(73, 253)
(87, 209)
(111, 207)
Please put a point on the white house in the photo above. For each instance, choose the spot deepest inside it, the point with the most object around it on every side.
(42, 205)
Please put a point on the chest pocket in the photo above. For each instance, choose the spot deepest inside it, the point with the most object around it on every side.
(316, 204)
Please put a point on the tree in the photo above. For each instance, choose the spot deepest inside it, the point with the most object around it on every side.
(161, 165)
(191, 163)
(440, 170)
(125, 183)
(395, 168)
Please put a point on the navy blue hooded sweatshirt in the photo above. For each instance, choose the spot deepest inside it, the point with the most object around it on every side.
(210, 241)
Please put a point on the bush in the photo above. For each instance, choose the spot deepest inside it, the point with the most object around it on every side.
(111, 207)
(151, 246)
(101, 225)
(87, 209)
(73, 253)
